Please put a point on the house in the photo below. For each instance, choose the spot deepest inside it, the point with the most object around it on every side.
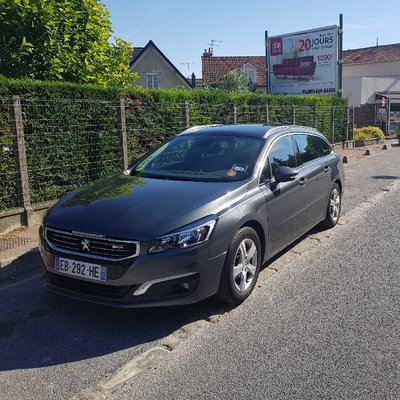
(371, 82)
(215, 68)
(155, 70)
(370, 70)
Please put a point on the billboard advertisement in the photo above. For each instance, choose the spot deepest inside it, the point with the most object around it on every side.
(304, 63)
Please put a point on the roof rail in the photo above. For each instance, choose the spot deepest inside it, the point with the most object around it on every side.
(197, 127)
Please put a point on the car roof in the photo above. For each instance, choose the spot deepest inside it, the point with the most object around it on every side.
(249, 130)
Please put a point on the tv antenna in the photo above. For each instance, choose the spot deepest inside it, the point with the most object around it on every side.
(215, 43)
(188, 64)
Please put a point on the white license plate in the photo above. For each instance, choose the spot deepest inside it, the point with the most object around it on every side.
(80, 269)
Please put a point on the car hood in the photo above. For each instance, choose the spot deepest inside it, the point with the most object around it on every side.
(141, 208)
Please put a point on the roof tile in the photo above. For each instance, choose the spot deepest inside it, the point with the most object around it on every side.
(215, 68)
(367, 55)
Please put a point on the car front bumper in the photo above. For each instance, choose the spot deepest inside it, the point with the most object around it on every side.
(174, 277)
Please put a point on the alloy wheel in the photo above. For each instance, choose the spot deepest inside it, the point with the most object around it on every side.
(334, 208)
(245, 264)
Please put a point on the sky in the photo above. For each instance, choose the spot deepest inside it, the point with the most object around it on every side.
(183, 29)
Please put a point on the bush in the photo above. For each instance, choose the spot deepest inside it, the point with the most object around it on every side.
(368, 132)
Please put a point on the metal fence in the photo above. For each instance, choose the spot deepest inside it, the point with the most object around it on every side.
(49, 146)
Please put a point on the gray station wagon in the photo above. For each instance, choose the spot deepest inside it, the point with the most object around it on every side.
(195, 217)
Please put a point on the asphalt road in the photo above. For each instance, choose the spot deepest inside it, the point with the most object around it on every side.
(326, 326)
(323, 323)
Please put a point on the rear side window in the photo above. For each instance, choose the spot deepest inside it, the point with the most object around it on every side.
(310, 147)
(324, 147)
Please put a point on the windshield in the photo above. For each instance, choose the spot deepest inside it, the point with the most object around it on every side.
(201, 158)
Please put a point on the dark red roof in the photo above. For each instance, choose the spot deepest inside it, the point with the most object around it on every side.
(215, 68)
(367, 55)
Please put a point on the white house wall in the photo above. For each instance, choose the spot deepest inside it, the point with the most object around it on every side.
(360, 82)
(372, 85)
(361, 90)
(352, 90)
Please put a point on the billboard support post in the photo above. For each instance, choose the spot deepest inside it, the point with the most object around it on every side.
(340, 51)
(266, 63)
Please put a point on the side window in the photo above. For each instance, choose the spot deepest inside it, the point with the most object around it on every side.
(281, 154)
(308, 148)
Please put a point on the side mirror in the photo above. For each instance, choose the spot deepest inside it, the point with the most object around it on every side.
(285, 174)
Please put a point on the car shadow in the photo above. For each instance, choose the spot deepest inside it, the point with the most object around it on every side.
(386, 177)
(38, 329)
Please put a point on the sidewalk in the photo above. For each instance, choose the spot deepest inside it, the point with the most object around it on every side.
(19, 252)
(358, 153)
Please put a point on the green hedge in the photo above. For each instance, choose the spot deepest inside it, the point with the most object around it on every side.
(9, 196)
(71, 131)
(67, 135)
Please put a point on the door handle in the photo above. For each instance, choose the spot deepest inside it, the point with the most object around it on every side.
(302, 181)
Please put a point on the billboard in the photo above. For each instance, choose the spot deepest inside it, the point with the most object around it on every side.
(304, 62)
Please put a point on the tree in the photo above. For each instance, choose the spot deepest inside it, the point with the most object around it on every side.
(62, 40)
(235, 81)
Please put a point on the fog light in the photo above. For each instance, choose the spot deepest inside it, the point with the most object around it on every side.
(186, 285)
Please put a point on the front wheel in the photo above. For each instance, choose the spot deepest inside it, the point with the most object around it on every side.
(241, 268)
(334, 206)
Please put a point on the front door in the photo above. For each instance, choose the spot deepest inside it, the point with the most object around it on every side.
(286, 201)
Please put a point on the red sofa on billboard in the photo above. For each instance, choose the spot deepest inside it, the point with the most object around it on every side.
(298, 67)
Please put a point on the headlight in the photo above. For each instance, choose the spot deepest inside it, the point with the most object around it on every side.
(187, 238)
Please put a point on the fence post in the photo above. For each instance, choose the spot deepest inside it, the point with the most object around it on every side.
(315, 116)
(187, 115)
(123, 140)
(234, 114)
(21, 159)
(333, 124)
(267, 114)
(294, 115)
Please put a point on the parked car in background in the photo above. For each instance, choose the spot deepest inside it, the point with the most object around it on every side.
(197, 216)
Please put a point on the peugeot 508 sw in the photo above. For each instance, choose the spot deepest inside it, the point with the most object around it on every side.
(195, 217)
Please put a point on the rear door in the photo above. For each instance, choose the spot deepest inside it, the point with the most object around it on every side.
(314, 165)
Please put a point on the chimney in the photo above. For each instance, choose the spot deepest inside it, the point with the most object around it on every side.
(208, 53)
(193, 80)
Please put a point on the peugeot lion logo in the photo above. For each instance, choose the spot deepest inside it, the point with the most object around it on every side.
(85, 244)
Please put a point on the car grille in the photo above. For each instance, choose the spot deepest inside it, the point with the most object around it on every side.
(93, 246)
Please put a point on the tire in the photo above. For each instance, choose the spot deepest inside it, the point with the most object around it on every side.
(239, 278)
(334, 206)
